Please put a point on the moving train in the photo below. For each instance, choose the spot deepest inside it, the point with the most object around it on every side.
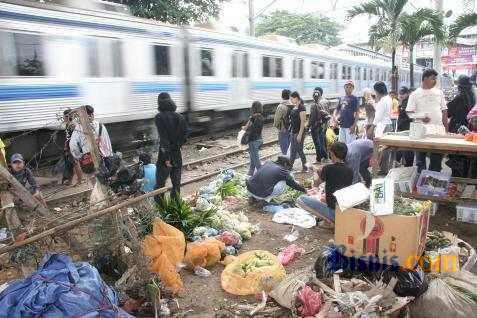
(54, 57)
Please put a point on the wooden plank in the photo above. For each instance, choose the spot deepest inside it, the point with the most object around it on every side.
(436, 199)
(430, 144)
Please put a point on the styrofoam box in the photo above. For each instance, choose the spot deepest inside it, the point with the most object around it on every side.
(466, 213)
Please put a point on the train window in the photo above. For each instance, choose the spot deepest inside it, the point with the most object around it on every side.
(117, 58)
(21, 54)
(297, 68)
(333, 71)
(370, 74)
(343, 72)
(317, 70)
(161, 60)
(206, 62)
(93, 58)
(349, 72)
(365, 71)
(272, 66)
(357, 73)
(239, 64)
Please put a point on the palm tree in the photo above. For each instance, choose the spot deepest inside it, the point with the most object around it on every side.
(386, 31)
(462, 22)
(414, 27)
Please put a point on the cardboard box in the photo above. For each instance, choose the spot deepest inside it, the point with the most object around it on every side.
(397, 240)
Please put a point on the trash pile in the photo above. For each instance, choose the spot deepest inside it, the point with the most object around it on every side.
(60, 288)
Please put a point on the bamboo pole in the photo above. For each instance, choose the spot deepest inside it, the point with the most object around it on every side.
(69, 225)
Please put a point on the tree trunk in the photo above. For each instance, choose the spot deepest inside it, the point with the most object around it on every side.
(411, 65)
(393, 70)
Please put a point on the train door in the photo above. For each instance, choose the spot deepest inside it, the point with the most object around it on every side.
(297, 75)
(105, 87)
(240, 78)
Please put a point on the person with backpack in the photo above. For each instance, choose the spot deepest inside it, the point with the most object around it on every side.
(281, 121)
(317, 124)
(297, 128)
(173, 130)
(80, 147)
(254, 129)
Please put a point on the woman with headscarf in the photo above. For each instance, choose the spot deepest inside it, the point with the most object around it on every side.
(457, 111)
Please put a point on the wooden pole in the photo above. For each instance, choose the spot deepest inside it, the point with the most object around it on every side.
(69, 225)
(24, 195)
(89, 134)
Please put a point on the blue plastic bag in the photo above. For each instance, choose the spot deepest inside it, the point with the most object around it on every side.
(60, 288)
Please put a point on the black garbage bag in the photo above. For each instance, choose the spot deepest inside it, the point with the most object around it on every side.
(410, 283)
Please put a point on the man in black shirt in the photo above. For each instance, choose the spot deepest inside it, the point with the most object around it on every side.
(337, 176)
(270, 180)
(317, 124)
(172, 129)
(403, 124)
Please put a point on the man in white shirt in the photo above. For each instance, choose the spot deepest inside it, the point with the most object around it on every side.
(428, 105)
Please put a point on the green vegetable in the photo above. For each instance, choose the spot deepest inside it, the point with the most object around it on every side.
(436, 240)
(290, 195)
(405, 206)
(227, 189)
(179, 214)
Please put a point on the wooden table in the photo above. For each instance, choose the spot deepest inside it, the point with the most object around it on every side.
(448, 144)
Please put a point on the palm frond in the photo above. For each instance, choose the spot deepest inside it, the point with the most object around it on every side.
(461, 23)
(373, 7)
(420, 24)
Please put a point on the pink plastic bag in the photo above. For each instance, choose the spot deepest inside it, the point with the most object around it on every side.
(290, 252)
(310, 302)
(229, 238)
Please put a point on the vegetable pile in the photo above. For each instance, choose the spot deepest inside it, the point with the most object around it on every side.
(258, 260)
(405, 206)
(290, 195)
(436, 240)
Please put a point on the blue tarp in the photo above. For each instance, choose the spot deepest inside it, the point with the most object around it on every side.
(60, 288)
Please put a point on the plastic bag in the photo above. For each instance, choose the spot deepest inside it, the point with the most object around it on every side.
(230, 238)
(291, 252)
(443, 299)
(237, 281)
(166, 246)
(285, 292)
(295, 216)
(204, 253)
(310, 302)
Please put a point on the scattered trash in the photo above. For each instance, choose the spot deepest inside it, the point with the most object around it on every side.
(230, 238)
(292, 236)
(60, 288)
(309, 302)
(289, 254)
(295, 216)
(452, 295)
(166, 246)
(57, 209)
(252, 272)
(3, 234)
(285, 293)
(201, 272)
(274, 208)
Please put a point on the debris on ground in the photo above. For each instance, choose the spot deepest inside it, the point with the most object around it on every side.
(289, 254)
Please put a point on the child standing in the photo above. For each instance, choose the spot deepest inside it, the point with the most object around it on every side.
(148, 173)
(25, 177)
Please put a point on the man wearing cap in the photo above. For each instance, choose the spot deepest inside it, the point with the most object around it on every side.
(25, 177)
(347, 112)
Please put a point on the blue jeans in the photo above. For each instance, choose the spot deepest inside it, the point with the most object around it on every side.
(297, 150)
(284, 141)
(320, 143)
(346, 136)
(253, 148)
(314, 205)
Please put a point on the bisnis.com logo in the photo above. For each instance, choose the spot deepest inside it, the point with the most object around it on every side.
(336, 259)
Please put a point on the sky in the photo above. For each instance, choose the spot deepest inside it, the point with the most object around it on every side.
(235, 13)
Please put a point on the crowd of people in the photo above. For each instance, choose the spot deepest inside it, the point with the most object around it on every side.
(346, 149)
(343, 147)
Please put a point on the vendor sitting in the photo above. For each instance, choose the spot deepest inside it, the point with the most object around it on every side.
(271, 179)
(337, 176)
(25, 177)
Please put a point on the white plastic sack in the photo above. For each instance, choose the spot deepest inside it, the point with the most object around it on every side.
(239, 137)
(295, 216)
(351, 196)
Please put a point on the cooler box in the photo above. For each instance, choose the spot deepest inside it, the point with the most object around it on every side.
(467, 213)
(397, 240)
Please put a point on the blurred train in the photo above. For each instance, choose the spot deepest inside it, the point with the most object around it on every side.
(54, 56)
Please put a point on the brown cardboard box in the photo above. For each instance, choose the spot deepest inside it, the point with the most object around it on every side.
(387, 239)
